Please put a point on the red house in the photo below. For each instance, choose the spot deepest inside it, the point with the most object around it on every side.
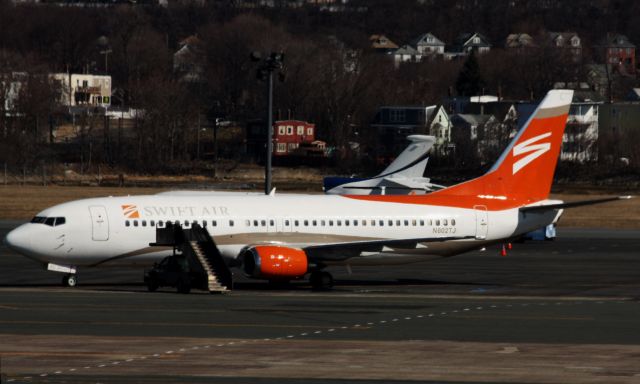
(288, 135)
(619, 53)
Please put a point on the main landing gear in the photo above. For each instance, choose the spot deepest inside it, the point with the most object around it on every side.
(69, 280)
(321, 280)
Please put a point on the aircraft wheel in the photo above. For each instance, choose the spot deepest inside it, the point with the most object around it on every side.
(183, 286)
(321, 280)
(69, 280)
(152, 284)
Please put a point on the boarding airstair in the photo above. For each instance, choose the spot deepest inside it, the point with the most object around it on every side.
(201, 253)
(219, 278)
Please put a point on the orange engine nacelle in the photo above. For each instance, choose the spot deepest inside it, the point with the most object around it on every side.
(274, 262)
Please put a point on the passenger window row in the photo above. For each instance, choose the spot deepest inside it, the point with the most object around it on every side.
(161, 223)
(413, 222)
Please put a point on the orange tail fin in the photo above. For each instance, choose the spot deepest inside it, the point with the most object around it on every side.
(524, 171)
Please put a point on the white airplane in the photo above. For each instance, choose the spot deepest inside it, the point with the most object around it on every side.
(286, 237)
(405, 175)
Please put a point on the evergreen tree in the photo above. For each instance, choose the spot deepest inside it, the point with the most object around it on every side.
(470, 81)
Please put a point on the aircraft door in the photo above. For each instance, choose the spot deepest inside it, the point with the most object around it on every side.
(99, 223)
(285, 225)
(482, 222)
(271, 225)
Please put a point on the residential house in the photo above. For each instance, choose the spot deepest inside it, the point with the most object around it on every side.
(598, 78)
(188, 60)
(468, 42)
(580, 140)
(406, 54)
(618, 52)
(394, 123)
(428, 45)
(11, 84)
(288, 137)
(618, 125)
(382, 44)
(566, 40)
(84, 90)
(519, 41)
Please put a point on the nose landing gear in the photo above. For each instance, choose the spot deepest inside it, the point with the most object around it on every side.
(69, 280)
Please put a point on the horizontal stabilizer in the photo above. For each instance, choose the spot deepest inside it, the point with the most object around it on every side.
(572, 204)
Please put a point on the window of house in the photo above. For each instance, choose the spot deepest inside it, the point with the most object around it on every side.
(282, 147)
(397, 115)
(309, 131)
(289, 130)
(293, 146)
(281, 130)
(300, 130)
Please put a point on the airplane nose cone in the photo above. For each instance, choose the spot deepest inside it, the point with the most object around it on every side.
(18, 239)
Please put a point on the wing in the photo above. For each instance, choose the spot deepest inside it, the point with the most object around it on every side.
(345, 250)
(571, 204)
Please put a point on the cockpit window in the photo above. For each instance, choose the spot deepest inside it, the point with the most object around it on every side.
(50, 221)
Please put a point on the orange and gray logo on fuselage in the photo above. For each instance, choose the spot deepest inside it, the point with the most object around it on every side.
(130, 211)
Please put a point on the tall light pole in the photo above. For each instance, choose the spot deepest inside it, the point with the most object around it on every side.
(271, 63)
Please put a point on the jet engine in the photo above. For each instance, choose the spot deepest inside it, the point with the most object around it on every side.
(274, 262)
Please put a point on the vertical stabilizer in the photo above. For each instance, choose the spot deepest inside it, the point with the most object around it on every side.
(524, 171)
